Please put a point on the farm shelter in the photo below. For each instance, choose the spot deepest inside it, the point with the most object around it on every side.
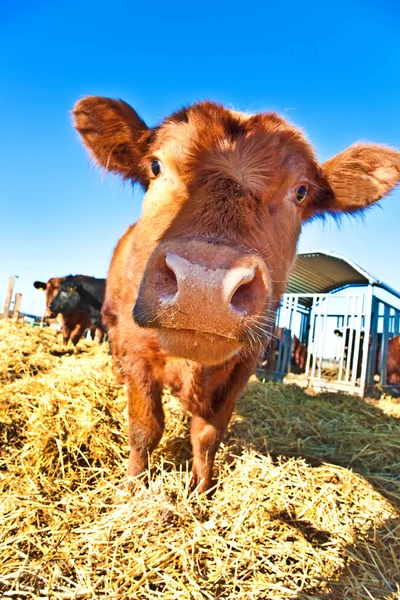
(343, 319)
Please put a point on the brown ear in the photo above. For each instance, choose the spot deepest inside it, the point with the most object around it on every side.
(354, 179)
(115, 135)
(40, 285)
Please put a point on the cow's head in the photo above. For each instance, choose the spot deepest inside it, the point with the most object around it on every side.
(67, 299)
(51, 288)
(226, 196)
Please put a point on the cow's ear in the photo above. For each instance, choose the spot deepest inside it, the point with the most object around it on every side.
(354, 180)
(40, 285)
(115, 135)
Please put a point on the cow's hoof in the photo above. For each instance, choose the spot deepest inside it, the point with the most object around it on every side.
(203, 485)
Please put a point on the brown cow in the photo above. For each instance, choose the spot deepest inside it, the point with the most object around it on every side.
(393, 363)
(393, 359)
(74, 324)
(278, 341)
(193, 287)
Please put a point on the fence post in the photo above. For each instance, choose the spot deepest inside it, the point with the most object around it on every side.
(17, 306)
(6, 310)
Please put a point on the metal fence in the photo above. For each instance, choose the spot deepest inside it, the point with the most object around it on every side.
(332, 341)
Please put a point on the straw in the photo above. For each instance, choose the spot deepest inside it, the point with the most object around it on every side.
(306, 505)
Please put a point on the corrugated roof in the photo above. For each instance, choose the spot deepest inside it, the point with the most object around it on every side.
(317, 272)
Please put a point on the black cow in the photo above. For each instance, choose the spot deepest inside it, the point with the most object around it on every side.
(78, 294)
(350, 344)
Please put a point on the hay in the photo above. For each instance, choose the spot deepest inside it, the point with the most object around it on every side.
(306, 506)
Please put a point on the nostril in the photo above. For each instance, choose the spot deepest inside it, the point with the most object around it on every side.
(242, 297)
(246, 298)
(168, 282)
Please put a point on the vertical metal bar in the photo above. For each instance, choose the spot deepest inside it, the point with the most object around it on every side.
(396, 328)
(323, 334)
(343, 344)
(384, 345)
(292, 327)
(368, 318)
(277, 341)
(282, 337)
(356, 352)
(288, 337)
(303, 323)
(391, 321)
(310, 336)
(373, 346)
(272, 369)
(350, 340)
(317, 336)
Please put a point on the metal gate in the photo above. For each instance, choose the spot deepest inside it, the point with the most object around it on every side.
(333, 342)
(332, 332)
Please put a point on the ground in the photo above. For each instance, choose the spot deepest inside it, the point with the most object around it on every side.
(307, 503)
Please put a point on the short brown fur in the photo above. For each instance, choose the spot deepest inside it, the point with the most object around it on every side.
(225, 202)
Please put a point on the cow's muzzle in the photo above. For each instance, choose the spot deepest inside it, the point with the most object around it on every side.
(206, 299)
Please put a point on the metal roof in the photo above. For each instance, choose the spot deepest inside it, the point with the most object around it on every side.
(319, 271)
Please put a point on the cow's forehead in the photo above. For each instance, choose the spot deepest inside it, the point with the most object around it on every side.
(210, 121)
(256, 150)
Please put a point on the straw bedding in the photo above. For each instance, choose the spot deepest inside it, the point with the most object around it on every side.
(306, 506)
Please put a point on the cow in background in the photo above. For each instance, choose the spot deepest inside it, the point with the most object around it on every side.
(80, 294)
(393, 363)
(393, 360)
(350, 348)
(73, 325)
(278, 341)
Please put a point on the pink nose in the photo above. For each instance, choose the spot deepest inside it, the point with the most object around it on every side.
(203, 287)
(236, 289)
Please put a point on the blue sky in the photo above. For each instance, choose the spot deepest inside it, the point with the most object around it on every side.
(331, 68)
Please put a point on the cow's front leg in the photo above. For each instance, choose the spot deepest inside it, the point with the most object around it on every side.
(146, 420)
(77, 333)
(66, 333)
(98, 335)
(206, 436)
(207, 431)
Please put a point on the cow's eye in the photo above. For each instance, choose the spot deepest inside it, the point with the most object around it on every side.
(157, 167)
(301, 194)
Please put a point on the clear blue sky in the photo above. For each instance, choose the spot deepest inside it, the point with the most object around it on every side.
(331, 68)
